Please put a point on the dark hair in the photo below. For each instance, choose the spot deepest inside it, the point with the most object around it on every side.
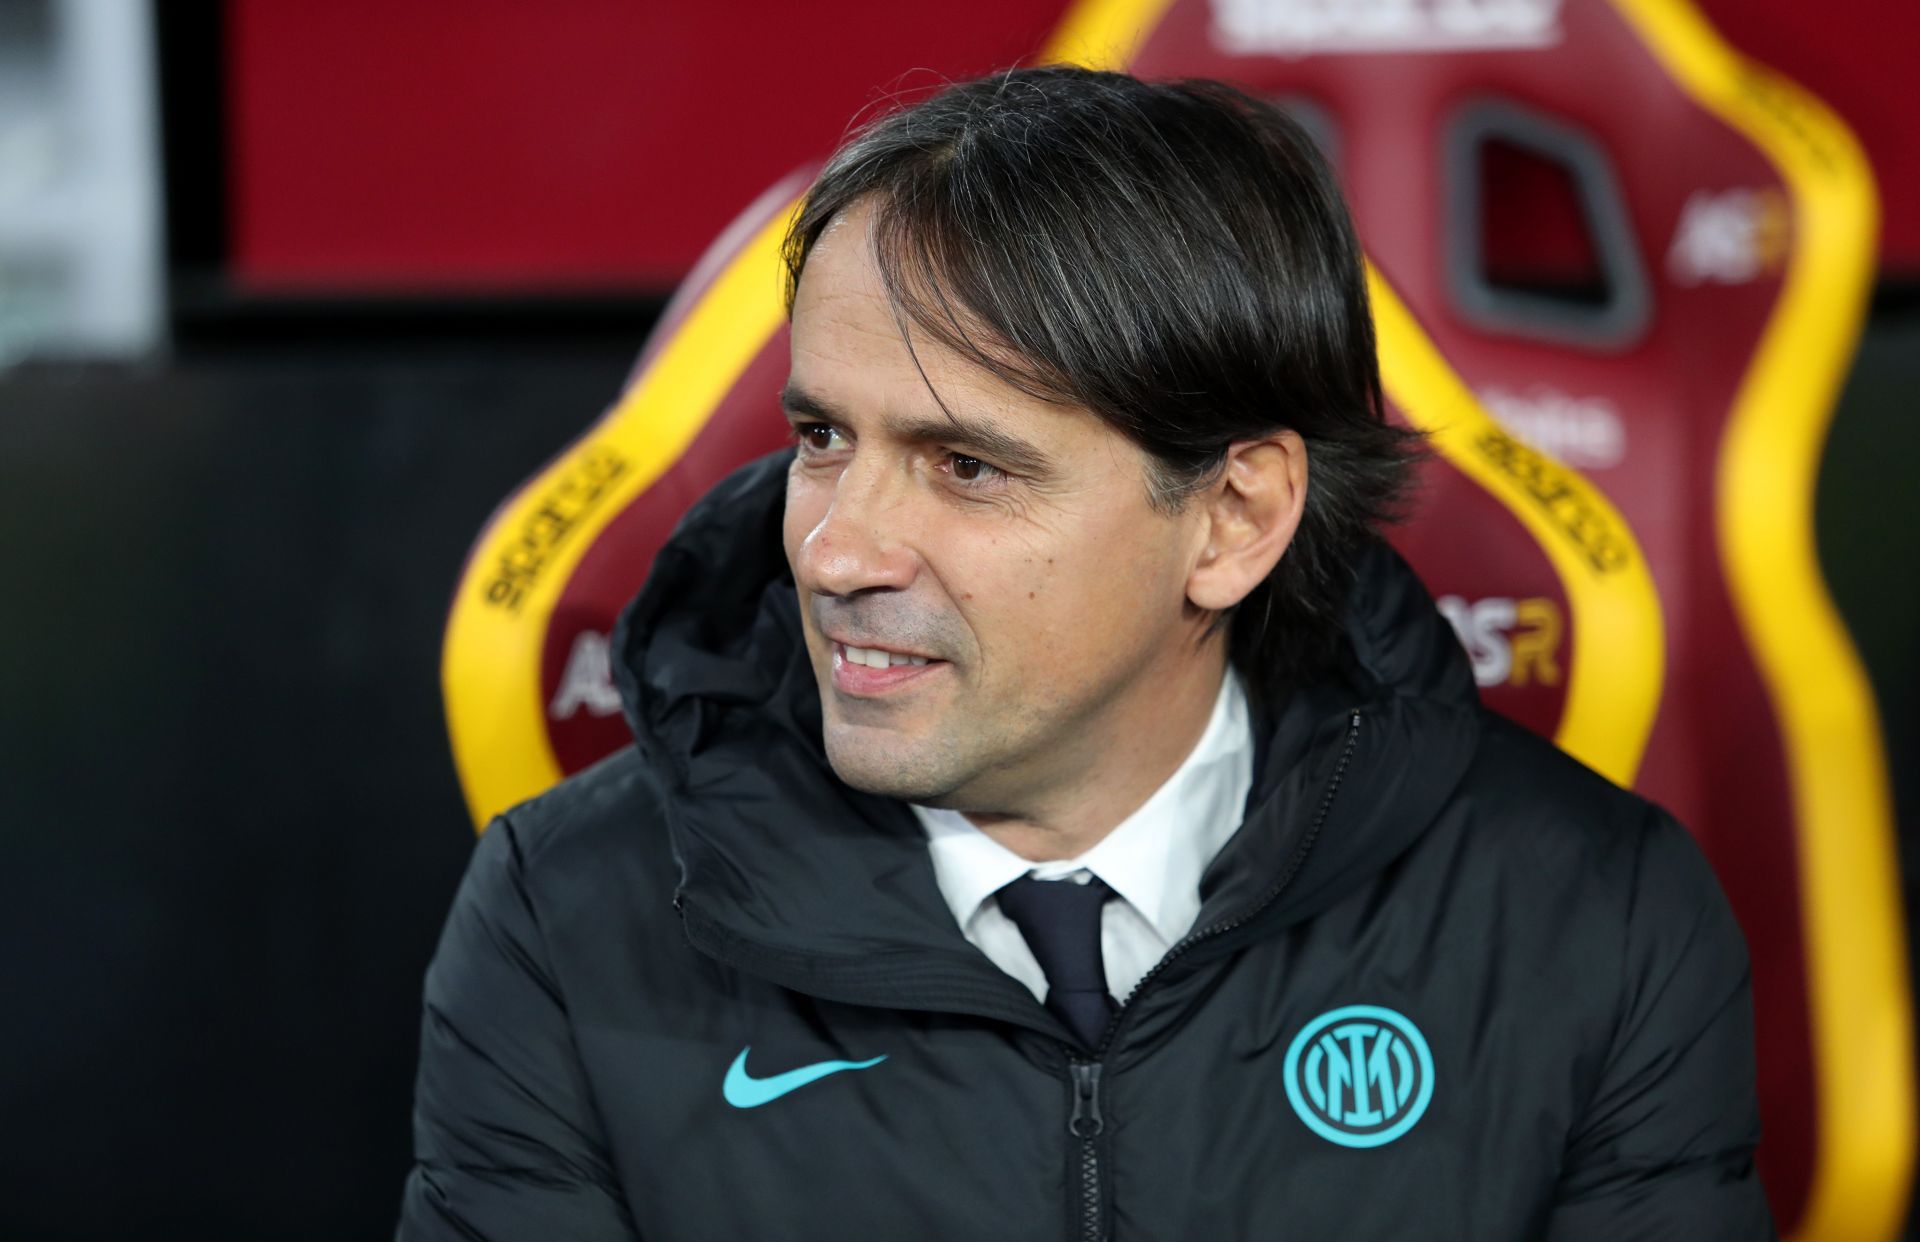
(1173, 256)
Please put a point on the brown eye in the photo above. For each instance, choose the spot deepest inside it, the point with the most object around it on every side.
(971, 470)
(816, 437)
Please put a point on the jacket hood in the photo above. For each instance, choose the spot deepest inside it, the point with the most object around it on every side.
(792, 875)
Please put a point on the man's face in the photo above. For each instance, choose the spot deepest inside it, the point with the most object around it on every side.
(1028, 601)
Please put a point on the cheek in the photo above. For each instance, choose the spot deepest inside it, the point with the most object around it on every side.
(806, 505)
(1055, 612)
(1091, 613)
(1114, 595)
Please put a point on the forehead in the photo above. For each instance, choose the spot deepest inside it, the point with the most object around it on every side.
(850, 345)
(841, 283)
(851, 349)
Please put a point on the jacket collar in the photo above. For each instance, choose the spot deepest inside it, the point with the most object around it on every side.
(789, 874)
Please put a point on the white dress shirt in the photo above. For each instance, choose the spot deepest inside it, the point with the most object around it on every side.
(1153, 860)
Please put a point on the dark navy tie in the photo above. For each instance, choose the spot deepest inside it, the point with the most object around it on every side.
(1061, 922)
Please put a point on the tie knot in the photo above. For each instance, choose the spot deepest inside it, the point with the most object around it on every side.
(1060, 921)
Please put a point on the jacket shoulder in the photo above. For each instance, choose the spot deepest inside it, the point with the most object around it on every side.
(598, 806)
(595, 843)
(506, 1127)
(1577, 842)
(1641, 964)
(1524, 792)
(1518, 764)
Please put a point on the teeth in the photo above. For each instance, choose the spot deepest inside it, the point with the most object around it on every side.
(873, 657)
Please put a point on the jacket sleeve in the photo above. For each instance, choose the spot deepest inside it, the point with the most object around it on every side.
(506, 1141)
(1665, 1148)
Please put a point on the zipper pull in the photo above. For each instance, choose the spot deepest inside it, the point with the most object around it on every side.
(1086, 1121)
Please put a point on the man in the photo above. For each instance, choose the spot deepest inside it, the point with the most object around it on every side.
(1054, 812)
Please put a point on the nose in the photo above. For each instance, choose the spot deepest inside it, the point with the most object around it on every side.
(859, 543)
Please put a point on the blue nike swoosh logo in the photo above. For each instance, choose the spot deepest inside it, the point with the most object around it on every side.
(743, 1090)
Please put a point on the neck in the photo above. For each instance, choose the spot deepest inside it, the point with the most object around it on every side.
(1127, 762)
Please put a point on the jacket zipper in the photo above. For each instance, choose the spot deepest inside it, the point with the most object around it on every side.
(1086, 1122)
(1086, 1125)
(1266, 899)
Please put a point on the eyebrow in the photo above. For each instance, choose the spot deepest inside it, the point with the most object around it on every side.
(1001, 447)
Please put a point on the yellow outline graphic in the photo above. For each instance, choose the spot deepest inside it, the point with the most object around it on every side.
(1619, 650)
(490, 668)
(1103, 34)
(1857, 970)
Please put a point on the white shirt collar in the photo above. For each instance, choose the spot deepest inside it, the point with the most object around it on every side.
(1153, 859)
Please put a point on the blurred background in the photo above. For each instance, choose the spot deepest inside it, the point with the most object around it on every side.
(292, 295)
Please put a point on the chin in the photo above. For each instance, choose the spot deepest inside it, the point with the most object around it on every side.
(881, 762)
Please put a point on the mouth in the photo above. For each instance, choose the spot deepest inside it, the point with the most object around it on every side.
(868, 672)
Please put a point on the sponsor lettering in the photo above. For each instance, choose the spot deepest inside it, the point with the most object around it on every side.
(1584, 432)
(578, 492)
(1728, 237)
(1511, 642)
(1551, 488)
(587, 681)
(1787, 105)
(1307, 27)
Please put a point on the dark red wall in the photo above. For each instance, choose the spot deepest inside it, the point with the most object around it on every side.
(405, 145)
(600, 143)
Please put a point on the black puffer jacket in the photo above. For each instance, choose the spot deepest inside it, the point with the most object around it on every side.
(1445, 983)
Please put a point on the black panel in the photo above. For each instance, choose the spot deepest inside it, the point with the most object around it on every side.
(191, 39)
(229, 815)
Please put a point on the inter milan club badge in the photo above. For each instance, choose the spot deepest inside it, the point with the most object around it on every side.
(1359, 1076)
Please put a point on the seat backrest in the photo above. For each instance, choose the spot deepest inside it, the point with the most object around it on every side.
(527, 676)
(1648, 258)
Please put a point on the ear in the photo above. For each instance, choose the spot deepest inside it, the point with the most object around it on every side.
(1252, 512)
